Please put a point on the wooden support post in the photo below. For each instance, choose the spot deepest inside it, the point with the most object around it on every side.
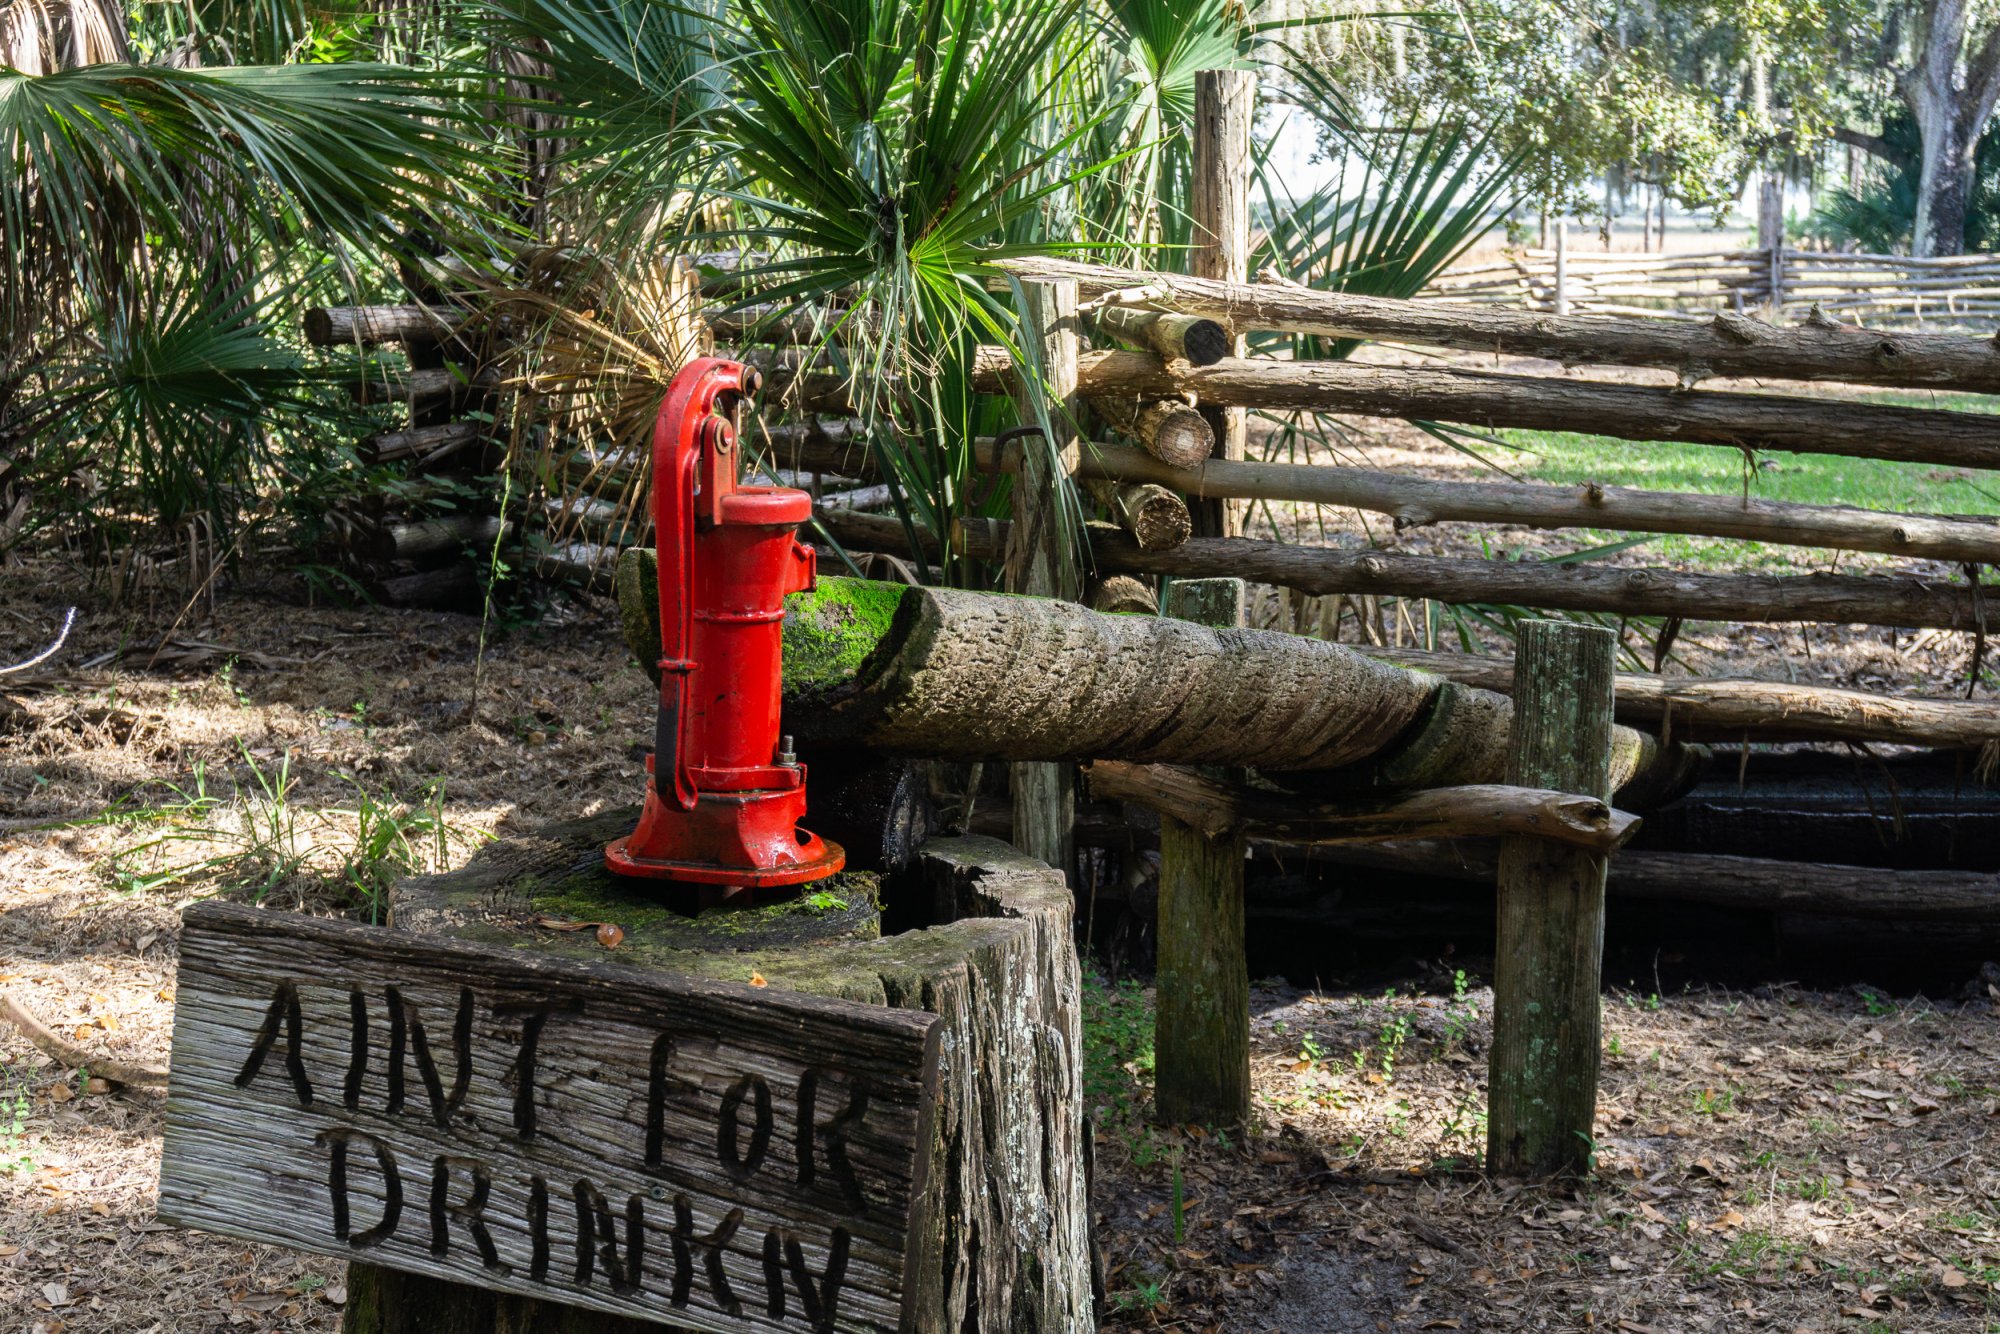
(1039, 558)
(1542, 1070)
(1771, 238)
(1224, 100)
(1202, 1041)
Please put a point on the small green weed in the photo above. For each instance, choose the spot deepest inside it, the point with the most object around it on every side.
(1146, 1295)
(14, 1156)
(259, 839)
(1117, 1054)
(1751, 1251)
(1461, 1014)
(392, 839)
(1466, 1121)
(821, 902)
(1709, 1102)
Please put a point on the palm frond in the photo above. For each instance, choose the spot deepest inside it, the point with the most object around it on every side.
(181, 394)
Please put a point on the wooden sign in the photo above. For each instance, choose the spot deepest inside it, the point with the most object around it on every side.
(704, 1154)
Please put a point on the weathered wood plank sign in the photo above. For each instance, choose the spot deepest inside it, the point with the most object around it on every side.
(697, 1153)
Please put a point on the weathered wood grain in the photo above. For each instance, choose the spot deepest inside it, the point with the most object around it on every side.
(646, 1144)
(1548, 953)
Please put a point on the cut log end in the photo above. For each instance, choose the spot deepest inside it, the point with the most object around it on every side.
(1122, 594)
(1157, 518)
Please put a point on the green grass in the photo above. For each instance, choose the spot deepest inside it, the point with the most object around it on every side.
(1811, 479)
(1117, 1060)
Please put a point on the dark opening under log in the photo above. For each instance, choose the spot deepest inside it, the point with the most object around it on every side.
(1730, 882)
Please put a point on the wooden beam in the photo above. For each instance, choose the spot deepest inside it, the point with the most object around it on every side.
(429, 443)
(1166, 428)
(1549, 952)
(427, 387)
(1725, 345)
(1696, 709)
(1155, 518)
(1495, 401)
(1121, 593)
(1756, 884)
(1903, 601)
(1189, 338)
(1215, 806)
(914, 671)
(1415, 501)
(367, 326)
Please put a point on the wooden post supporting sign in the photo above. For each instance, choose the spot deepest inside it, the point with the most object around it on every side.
(1202, 1042)
(1548, 959)
(639, 1144)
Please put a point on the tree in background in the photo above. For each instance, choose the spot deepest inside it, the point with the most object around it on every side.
(1945, 58)
(1682, 94)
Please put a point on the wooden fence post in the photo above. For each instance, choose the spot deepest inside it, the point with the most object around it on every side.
(1038, 559)
(1201, 1045)
(1224, 101)
(1771, 238)
(1562, 265)
(1542, 1068)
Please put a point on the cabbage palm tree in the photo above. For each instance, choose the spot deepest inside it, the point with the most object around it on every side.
(879, 156)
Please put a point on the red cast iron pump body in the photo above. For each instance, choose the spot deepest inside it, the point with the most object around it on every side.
(725, 796)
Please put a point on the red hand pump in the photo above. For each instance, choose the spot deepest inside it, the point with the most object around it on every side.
(725, 796)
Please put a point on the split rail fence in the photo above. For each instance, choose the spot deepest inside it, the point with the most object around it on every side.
(1950, 290)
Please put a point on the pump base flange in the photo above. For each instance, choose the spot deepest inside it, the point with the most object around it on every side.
(831, 860)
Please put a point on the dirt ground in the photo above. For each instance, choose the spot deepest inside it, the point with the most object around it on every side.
(1771, 1159)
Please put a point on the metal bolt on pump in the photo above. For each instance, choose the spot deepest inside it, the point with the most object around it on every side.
(725, 792)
